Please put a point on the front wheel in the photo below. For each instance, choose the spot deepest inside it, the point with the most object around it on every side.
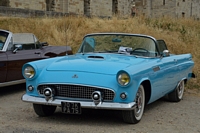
(44, 110)
(177, 94)
(134, 116)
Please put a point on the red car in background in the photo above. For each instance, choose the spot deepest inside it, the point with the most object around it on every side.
(19, 48)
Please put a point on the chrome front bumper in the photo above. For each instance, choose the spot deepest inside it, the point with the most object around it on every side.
(102, 105)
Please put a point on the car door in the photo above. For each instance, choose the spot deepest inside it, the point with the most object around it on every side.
(169, 67)
(3, 67)
(17, 60)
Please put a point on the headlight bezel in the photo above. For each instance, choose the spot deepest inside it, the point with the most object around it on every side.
(29, 72)
(123, 78)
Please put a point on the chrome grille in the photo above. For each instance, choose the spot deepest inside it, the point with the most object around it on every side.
(77, 91)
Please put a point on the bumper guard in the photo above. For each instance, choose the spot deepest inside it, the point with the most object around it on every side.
(103, 105)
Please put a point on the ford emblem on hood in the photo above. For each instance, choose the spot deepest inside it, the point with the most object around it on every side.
(75, 76)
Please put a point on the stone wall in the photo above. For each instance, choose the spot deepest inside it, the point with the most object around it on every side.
(17, 12)
(28, 4)
(172, 8)
(104, 8)
(189, 8)
(124, 8)
(101, 8)
(76, 6)
(108, 8)
(159, 8)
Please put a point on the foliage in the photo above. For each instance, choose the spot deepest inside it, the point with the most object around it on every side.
(181, 35)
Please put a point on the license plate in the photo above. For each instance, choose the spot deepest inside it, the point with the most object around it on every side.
(71, 108)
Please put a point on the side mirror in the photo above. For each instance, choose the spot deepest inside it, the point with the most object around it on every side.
(44, 43)
(17, 47)
(166, 53)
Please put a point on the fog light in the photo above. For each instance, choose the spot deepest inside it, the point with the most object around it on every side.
(30, 88)
(123, 95)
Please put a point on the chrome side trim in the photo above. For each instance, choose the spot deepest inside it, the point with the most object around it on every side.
(12, 83)
(103, 105)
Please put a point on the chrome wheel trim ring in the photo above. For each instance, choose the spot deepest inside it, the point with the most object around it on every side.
(180, 89)
(140, 100)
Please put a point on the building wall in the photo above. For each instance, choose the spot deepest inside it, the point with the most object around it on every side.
(76, 7)
(188, 8)
(28, 4)
(159, 8)
(101, 8)
(164, 8)
(124, 7)
(172, 8)
(106, 8)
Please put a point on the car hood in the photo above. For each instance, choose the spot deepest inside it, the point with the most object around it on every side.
(106, 64)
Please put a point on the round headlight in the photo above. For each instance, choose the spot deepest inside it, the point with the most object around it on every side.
(123, 79)
(29, 72)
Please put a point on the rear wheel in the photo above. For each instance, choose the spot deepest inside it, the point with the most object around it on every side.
(134, 116)
(44, 110)
(177, 94)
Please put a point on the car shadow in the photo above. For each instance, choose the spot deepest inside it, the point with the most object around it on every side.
(9, 90)
(93, 117)
(88, 117)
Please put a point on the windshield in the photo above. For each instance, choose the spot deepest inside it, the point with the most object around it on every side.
(120, 44)
(27, 40)
(3, 37)
(24, 38)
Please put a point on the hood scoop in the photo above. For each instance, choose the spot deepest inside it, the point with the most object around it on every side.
(95, 57)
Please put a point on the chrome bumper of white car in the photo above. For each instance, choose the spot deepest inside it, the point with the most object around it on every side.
(103, 105)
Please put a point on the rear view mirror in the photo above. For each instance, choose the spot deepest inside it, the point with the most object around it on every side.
(116, 40)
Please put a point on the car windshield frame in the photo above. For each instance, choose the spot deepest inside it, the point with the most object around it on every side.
(3, 38)
(120, 43)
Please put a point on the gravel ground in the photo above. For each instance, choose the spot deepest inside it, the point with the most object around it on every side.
(161, 116)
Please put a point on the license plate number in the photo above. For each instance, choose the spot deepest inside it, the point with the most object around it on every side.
(71, 108)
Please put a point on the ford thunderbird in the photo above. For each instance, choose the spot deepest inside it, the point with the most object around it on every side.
(114, 71)
(16, 49)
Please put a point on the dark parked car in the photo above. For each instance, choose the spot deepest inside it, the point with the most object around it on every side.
(17, 49)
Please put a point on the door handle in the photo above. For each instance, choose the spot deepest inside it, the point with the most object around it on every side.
(37, 53)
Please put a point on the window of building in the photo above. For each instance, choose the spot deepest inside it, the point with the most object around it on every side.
(163, 2)
(183, 0)
(183, 15)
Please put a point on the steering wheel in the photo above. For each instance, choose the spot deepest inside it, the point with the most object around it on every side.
(140, 49)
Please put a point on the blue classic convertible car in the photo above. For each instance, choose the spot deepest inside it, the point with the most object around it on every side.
(115, 71)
